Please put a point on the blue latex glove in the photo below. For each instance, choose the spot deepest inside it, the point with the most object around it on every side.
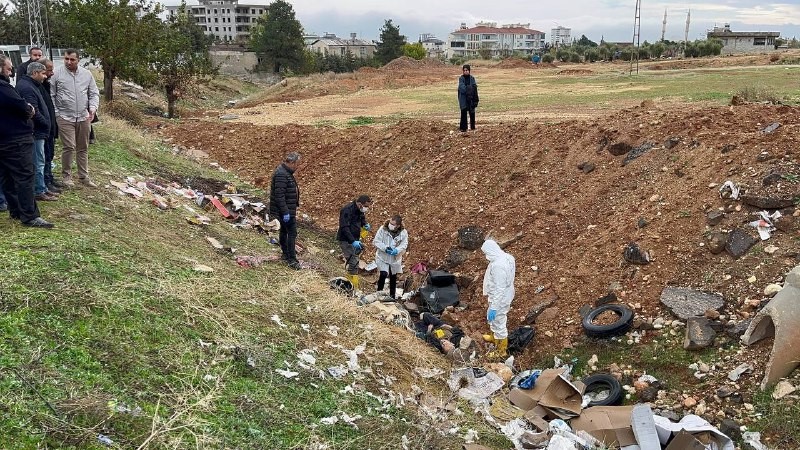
(490, 315)
(368, 227)
(286, 218)
(357, 245)
(394, 252)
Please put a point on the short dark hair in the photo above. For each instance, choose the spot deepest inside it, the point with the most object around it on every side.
(292, 157)
(363, 199)
(466, 66)
(398, 220)
(72, 51)
(30, 51)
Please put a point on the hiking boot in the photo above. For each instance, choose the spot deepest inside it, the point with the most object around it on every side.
(87, 182)
(45, 197)
(53, 189)
(57, 184)
(294, 265)
(38, 223)
(68, 183)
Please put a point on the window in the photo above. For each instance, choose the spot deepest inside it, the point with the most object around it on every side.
(215, 11)
(216, 20)
(216, 28)
(760, 41)
(252, 11)
(456, 44)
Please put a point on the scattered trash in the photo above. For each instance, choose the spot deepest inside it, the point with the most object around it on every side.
(752, 439)
(474, 384)
(634, 255)
(333, 330)
(105, 440)
(644, 427)
(277, 320)
(307, 357)
(552, 392)
(601, 389)
(729, 190)
(734, 374)
(253, 261)
(782, 389)
(329, 420)
(470, 436)
(338, 372)
(619, 326)
(764, 224)
(428, 373)
(202, 268)
(529, 381)
(208, 377)
(691, 424)
(287, 373)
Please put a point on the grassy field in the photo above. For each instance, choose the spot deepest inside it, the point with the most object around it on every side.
(108, 332)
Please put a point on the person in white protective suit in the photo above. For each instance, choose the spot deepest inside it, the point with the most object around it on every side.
(498, 286)
(391, 240)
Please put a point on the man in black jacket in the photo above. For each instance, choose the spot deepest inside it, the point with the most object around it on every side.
(16, 156)
(34, 55)
(351, 223)
(284, 198)
(30, 88)
(52, 184)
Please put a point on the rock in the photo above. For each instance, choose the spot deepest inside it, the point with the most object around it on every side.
(770, 249)
(763, 156)
(471, 237)
(549, 315)
(772, 127)
(782, 389)
(634, 255)
(585, 310)
(606, 299)
(766, 201)
(737, 330)
(772, 289)
(698, 334)
(586, 167)
(456, 256)
(727, 148)
(739, 242)
(637, 152)
(717, 242)
(714, 217)
(649, 394)
(785, 223)
(730, 428)
(690, 402)
(724, 391)
(734, 374)
(711, 314)
(737, 101)
(539, 308)
(686, 302)
(772, 178)
(641, 223)
(670, 143)
(619, 148)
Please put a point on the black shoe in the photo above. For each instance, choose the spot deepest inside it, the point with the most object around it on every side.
(57, 184)
(294, 265)
(38, 223)
(52, 188)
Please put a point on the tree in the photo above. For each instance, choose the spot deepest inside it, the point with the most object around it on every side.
(391, 45)
(111, 32)
(415, 50)
(180, 58)
(278, 38)
(586, 42)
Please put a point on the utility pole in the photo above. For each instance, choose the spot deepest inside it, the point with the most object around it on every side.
(637, 22)
(35, 23)
(664, 25)
(688, 20)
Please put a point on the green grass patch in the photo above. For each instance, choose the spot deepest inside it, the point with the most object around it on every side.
(361, 120)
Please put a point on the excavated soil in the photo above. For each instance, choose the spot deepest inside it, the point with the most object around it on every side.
(522, 179)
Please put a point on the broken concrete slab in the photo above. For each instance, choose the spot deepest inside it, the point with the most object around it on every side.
(739, 242)
(767, 201)
(699, 334)
(781, 319)
(686, 302)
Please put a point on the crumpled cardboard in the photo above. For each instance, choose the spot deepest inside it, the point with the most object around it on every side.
(610, 424)
(553, 392)
(688, 441)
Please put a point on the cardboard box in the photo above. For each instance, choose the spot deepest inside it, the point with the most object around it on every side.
(551, 391)
(685, 441)
(610, 424)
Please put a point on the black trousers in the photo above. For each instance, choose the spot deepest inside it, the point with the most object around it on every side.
(49, 153)
(17, 173)
(463, 125)
(392, 282)
(287, 238)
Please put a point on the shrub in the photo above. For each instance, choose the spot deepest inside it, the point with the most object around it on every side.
(548, 58)
(756, 94)
(125, 110)
(774, 57)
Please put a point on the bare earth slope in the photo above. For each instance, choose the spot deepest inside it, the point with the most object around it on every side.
(523, 177)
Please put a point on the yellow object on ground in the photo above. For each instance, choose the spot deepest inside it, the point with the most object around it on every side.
(488, 338)
(354, 281)
(364, 234)
(500, 351)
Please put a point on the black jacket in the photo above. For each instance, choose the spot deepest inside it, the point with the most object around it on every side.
(50, 107)
(351, 219)
(284, 194)
(14, 111)
(31, 91)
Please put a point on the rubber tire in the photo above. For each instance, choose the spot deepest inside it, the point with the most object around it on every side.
(604, 380)
(617, 328)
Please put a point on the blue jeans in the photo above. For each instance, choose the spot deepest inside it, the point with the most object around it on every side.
(38, 164)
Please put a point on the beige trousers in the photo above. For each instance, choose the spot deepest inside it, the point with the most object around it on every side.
(75, 139)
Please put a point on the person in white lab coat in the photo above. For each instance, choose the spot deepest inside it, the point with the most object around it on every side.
(391, 241)
(498, 286)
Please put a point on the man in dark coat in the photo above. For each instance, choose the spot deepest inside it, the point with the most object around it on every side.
(16, 157)
(34, 55)
(52, 184)
(30, 88)
(467, 98)
(351, 222)
(284, 198)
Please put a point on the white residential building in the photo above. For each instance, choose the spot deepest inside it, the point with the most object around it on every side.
(225, 20)
(330, 44)
(434, 47)
(499, 41)
(560, 36)
(744, 41)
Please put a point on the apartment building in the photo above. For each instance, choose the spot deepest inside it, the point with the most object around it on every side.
(434, 47)
(497, 41)
(560, 36)
(330, 44)
(224, 20)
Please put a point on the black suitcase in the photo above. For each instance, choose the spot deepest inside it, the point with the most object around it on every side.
(440, 278)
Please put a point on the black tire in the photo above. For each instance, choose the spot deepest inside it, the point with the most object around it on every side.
(601, 382)
(617, 328)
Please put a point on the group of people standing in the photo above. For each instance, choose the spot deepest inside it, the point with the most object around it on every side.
(46, 103)
(390, 242)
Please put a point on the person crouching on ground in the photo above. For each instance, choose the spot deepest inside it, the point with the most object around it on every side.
(498, 286)
(391, 240)
(353, 228)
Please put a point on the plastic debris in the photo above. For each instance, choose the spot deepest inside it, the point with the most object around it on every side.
(764, 224)
(729, 190)
(329, 420)
(474, 384)
(734, 374)
(428, 373)
(202, 268)
(287, 373)
(753, 439)
(337, 371)
(277, 320)
(105, 440)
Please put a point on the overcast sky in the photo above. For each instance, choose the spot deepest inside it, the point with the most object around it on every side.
(612, 19)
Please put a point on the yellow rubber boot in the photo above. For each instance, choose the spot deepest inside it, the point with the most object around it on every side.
(501, 350)
(354, 281)
(488, 338)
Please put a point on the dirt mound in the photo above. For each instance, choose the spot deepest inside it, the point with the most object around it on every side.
(366, 69)
(514, 63)
(575, 72)
(522, 180)
(403, 63)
